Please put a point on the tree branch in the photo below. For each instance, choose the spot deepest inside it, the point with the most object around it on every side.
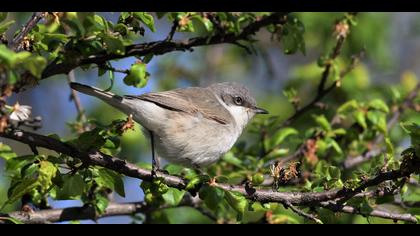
(164, 46)
(261, 195)
(325, 91)
(16, 43)
(175, 25)
(375, 212)
(302, 213)
(75, 97)
(75, 213)
(352, 162)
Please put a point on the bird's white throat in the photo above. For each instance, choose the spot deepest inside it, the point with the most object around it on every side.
(241, 115)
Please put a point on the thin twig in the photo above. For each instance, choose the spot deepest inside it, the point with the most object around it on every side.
(175, 25)
(302, 213)
(325, 91)
(162, 47)
(16, 43)
(106, 67)
(376, 213)
(262, 195)
(76, 213)
(75, 97)
(352, 162)
(300, 151)
(327, 69)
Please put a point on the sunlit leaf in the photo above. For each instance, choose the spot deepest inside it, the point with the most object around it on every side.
(237, 201)
(379, 104)
(173, 196)
(110, 179)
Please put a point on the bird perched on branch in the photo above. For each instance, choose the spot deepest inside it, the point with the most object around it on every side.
(191, 126)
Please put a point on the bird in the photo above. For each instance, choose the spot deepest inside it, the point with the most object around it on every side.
(192, 126)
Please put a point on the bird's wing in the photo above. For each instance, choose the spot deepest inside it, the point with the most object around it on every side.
(190, 100)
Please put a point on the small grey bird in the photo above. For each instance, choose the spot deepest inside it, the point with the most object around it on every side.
(191, 126)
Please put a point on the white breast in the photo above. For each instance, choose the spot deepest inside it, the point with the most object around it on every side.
(190, 140)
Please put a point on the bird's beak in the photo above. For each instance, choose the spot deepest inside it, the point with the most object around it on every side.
(258, 110)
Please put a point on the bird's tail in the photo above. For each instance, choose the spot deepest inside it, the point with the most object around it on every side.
(108, 97)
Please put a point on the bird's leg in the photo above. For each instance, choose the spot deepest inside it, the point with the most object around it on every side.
(155, 158)
(197, 168)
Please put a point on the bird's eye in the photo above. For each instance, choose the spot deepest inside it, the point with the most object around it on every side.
(238, 100)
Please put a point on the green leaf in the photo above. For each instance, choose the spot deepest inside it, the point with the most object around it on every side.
(237, 201)
(382, 125)
(292, 38)
(91, 139)
(360, 117)
(146, 18)
(173, 196)
(137, 76)
(222, 179)
(321, 169)
(366, 207)
(348, 106)
(6, 152)
(11, 219)
(35, 65)
(5, 26)
(121, 28)
(208, 25)
(277, 153)
(280, 136)
(414, 131)
(101, 203)
(231, 159)
(7, 56)
(3, 16)
(378, 119)
(283, 219)
(335, 145)
(378, 104)
(14, 165)
(322, 121)
(334, 172)
(74, 186)
(101, 71)
(75, 26)
(51, 41)
(212, 196)
(111, 143)
(339, 131)
(111, 75)
(147, 58)
(290, 94)
(110, 179)
(335, 70)
(196, 181)
(174, 169)
(145, 165)
(47, 171)
(12, 77)
(377, 161)
(23, 187)
(114, 45)
(385, 199)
